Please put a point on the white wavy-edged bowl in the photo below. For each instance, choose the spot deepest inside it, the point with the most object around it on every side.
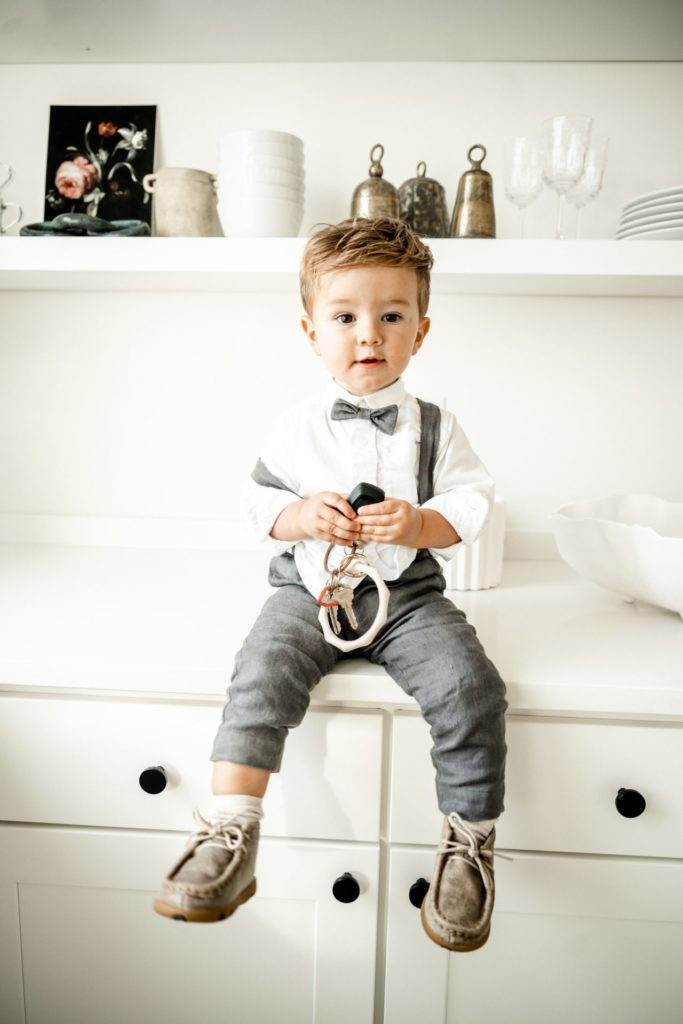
(631, 544)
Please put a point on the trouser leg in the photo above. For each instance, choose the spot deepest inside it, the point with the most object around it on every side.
(284, 656)
(434, 654)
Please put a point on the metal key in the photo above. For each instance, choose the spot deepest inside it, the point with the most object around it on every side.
(334, 618)
(343, 595)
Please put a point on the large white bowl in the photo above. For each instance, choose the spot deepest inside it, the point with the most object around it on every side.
(256, 160)
(247, 174)
(255, 191)
(269, 218)
(631, 544)
(247, 136)
(262, 149)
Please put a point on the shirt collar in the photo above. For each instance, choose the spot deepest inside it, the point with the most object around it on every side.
(390, 395)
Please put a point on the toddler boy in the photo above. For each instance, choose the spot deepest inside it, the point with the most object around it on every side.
(365, 290)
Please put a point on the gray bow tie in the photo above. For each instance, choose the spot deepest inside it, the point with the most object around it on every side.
(384, 418)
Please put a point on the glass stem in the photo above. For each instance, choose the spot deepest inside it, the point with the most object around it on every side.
(578, 217)
(560, 205)
(521, 222)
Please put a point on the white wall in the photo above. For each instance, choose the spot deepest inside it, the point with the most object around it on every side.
(134, 404)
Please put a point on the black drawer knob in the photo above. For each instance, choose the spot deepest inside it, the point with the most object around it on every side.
(630, 803)
(346, 889)
(418, 891)
(153, 780)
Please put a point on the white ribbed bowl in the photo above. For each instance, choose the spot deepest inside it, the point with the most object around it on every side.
(261, 137)
(479, 566)
(256, 192)
(241, 174)
(261, 148)
(252, 161)
(631, 544)
(265, 218)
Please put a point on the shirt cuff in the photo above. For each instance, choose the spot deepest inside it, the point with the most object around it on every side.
(466, 511)
(261, 517)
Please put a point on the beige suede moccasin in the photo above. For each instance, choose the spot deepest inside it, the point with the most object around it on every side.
(215, 873)
(456, 912)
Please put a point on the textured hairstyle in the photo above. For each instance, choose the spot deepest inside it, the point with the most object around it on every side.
(363, 241)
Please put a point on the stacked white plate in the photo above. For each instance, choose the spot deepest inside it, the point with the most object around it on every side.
(654, 215)
(260, 184)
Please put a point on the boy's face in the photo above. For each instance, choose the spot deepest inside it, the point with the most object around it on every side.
(365, 325)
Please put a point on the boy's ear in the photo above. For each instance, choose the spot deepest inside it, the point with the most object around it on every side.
(425, 324)
(309, 330)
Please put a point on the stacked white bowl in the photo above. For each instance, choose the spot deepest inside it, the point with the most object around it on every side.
(261, 184)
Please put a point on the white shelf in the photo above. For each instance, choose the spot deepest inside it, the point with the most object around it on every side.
(471, 266)
(168, 623)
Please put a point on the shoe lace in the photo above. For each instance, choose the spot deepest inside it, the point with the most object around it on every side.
(216, 833)
(470, 851)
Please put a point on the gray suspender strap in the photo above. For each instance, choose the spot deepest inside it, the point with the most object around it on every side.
(430, 430)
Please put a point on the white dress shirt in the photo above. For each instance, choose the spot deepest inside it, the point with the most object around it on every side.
(310, 452)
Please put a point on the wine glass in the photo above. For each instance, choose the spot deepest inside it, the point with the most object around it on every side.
(590, 183)
(565, 139)
(523, 168)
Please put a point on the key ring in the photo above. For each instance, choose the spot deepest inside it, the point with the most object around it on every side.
(342, 568)
(335, 578)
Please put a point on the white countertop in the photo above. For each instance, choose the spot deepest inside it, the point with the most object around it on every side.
(166, 623)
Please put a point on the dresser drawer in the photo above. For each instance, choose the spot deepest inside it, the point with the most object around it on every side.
(78, 761)
(562, 781)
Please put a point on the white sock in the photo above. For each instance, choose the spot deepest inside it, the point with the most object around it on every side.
(226, 806)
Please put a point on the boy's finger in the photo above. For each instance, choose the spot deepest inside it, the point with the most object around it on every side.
(339, 530)
(342, 505)
(373, 521)
(340, 524)
(380, 508)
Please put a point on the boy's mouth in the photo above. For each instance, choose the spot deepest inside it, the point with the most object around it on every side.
(369, 362)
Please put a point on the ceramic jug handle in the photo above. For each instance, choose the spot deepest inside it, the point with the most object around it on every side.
(6, 226)
(148, 183)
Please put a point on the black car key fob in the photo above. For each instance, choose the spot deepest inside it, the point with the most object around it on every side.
(365, 494)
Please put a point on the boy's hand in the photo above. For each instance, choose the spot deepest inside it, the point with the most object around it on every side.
(328, 516)
(392, 521)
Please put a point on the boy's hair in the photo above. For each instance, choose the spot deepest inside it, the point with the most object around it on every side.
(363, 241)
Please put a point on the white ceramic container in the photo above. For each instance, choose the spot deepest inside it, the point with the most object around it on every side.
(630, 544)
(184, 203)
(479, 566)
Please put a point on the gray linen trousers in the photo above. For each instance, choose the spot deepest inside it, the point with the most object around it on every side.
(426, 645)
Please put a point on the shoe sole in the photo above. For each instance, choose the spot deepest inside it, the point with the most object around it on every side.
(205, 916)
(454, 947)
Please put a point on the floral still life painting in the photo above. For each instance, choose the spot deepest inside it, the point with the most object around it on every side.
(96, 160)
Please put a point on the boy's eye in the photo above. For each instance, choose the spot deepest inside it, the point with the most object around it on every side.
(396, 317)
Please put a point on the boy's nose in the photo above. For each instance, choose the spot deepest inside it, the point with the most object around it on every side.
(369, 333)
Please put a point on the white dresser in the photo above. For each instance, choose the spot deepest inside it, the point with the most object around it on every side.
(115, 660)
